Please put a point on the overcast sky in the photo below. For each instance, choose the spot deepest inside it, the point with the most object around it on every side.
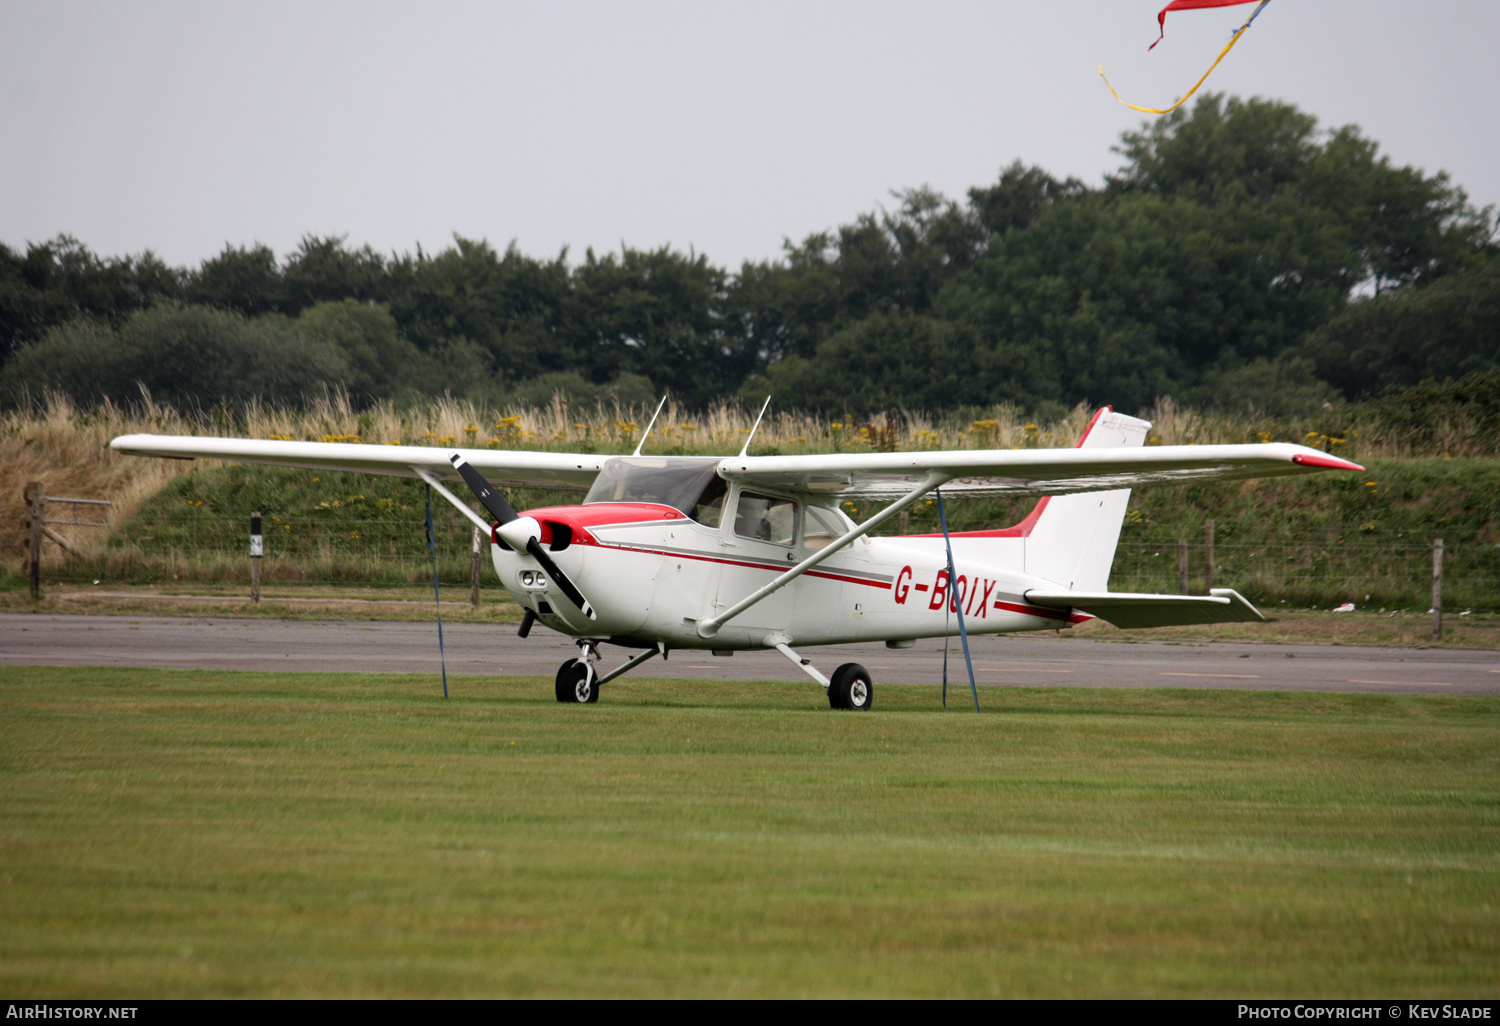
(717, 124)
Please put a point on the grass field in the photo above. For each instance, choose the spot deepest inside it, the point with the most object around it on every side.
(194, 834)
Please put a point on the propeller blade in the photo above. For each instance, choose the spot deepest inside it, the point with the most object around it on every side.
(505, 514)
(564, 585)
(491, 499)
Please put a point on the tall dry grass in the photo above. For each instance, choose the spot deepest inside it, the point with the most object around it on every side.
(67, 448)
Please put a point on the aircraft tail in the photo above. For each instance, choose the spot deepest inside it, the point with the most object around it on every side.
(1067, 540)
(1070, 539)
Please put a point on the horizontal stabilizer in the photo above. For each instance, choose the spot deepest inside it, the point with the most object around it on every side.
(1123, 609)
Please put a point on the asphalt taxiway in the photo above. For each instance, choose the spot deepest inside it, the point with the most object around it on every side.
(1025, 659)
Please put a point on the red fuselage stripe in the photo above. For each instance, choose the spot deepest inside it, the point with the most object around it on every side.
(774, 567)
(1013, 607)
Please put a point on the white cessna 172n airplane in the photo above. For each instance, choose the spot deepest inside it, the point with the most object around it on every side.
(752, 552)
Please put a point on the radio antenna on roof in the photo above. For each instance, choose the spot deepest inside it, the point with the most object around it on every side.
(646, 433)
(756, 427)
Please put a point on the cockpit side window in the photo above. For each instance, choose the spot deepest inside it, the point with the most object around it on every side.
(709, 509)
(765, 518)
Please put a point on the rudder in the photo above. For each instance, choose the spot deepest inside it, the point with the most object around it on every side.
(1073, 537)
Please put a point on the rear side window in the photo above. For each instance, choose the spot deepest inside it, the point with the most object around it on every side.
(766, 518)
(821, 528)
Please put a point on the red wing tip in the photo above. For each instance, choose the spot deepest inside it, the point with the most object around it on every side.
(1330, 462)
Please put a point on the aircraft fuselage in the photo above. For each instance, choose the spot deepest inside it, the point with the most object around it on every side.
(652, 573)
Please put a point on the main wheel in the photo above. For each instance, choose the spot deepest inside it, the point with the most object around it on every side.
(850, 687)
(577, 682)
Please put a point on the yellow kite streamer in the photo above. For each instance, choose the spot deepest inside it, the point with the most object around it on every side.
(1227, 47)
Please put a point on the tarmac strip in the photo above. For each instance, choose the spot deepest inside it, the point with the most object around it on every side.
(222, 643)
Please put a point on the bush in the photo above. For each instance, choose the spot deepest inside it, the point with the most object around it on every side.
(185, 355)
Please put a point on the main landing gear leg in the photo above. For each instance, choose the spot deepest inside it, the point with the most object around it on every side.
(850, 688)
(625, 668)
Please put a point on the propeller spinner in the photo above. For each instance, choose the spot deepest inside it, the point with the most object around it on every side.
(522, 534)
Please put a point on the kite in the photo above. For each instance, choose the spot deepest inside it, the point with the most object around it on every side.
(1161, 21)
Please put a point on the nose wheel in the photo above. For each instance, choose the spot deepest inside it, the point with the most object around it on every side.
(851, 688)
(577, 682)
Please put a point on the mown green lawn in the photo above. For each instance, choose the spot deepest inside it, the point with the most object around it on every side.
(191, 834)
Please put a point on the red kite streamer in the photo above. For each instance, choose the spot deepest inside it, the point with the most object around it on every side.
(1179, 5)
(1188, 5)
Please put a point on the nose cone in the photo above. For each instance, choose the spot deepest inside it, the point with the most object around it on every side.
(615, 576)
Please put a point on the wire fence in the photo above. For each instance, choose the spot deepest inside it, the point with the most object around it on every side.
(1317, 573)
(372, 551)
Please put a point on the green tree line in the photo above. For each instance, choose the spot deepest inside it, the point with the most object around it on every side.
(1241, 255)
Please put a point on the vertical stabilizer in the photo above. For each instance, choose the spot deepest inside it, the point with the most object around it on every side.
(1072, 540)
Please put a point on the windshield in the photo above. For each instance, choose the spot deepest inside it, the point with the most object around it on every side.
(688, 484)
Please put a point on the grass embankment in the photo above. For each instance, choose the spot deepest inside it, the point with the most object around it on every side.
(1315, 541)
(184, 834)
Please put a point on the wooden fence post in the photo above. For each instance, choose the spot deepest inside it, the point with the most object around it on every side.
(1182, 566)
(257, 547)
(1208, 556)
(474, 565)
(36, 503)
(1437, 590)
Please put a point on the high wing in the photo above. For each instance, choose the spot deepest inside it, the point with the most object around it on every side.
(882, 475)
(506, 467)
(877, 475)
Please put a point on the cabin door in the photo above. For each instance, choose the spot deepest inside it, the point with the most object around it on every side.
(760, 542)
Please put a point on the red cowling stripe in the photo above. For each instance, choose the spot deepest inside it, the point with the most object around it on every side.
(1188, 5)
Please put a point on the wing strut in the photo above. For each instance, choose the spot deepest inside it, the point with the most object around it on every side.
(453, 500)
(436, 598)
(709, 627)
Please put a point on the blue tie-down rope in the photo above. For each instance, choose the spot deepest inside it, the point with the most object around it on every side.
(432, 549)
(956, 606)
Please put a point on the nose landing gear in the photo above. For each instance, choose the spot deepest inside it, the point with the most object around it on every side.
(577, 683)
(577, 680)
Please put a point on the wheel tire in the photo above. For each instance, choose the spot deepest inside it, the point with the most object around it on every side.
(851, 688)
(565, 692)
(577, 683)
